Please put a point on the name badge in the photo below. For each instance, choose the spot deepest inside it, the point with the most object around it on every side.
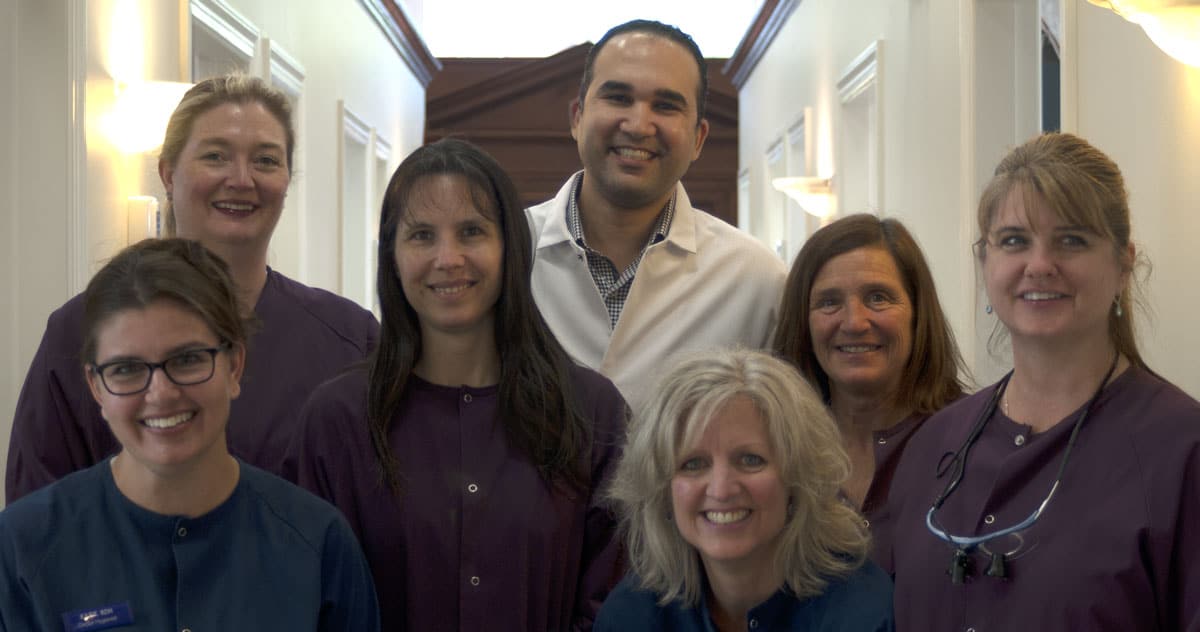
(99, 618)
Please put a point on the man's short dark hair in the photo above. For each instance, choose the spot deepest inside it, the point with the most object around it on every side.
(659, 29)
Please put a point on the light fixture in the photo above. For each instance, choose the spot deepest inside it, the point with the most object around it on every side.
(814, 195)
(1173, 25)
(140, 111)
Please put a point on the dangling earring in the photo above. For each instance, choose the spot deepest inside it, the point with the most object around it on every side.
(1117, 310)
(988, 309)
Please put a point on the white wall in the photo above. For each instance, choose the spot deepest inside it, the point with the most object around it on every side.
(958, 90)
(922, 116)
(1143, 109)
(345, 56)
(34, 129)
(55, 238)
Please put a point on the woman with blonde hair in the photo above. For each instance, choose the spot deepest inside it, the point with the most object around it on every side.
(1067, 495)
(729, 491)
(226, 165)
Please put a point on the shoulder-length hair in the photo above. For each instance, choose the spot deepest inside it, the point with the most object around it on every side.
(1084, 187)
(823, 537)
(539, 412)
(931, 375)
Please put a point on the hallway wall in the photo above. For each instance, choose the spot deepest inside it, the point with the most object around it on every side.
(61, 222)
(1143, 109)
(954, 100)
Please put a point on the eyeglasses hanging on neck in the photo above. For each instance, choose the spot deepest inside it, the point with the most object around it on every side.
(964, 546)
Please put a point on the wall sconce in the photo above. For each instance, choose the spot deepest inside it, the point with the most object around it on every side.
(1173, 25)
(139, 114)
(814, 195)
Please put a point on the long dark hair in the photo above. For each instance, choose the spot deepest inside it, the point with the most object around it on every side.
(539, 412)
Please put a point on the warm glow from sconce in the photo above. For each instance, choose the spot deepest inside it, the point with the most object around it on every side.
(139, 114)
(126, 59)
(1173, 25)
(814, 195)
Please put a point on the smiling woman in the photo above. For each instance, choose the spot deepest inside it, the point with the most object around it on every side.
(1067, 495)
(120, 543)
(471, 436)
(226, 165)
(728, 491)
(861, 319)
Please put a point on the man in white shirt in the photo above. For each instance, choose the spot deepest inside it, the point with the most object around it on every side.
(626, 272)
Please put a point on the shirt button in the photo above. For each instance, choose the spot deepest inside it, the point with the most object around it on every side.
(467, 398)
(1020, 440)
(882, 441)
(474, 580)
(182, 532)
(989, 519)
(472, 488)
(753, 623)
(866, 523)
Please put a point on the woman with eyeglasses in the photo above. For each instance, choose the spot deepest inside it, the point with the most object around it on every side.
(469, 454)
(173, 533)
(1067, 496)
(226, 165)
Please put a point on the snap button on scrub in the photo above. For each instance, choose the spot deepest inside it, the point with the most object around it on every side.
(472, 488)
(989, 519)
(882, 440)
(474, 580)
(467, 398)
(1020, 440)
(182, 532)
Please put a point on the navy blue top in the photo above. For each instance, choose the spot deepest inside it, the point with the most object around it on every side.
(861, 602)
(79, 555)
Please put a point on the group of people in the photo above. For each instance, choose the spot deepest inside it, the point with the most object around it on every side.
(609, 411)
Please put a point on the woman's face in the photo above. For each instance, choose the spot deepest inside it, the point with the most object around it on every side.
(1049, 282)
(449, 257)
(861, 320)
(727, 496)
(229, 182)
(167, 426)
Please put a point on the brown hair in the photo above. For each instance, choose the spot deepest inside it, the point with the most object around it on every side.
(930, 379)
(1084, 187)
(178, 270)
(208, 94)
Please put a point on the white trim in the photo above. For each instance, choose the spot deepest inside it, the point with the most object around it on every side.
(286, 72)
(77, 240)
(1068, 60)
(775, 151)
(227, 24)
(968, 283)
(861, 73)
(350, 124)
(865, 74)
(352, 127)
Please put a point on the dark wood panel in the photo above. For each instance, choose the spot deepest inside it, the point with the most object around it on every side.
(518, 110)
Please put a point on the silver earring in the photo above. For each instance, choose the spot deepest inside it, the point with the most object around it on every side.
(988, 309)
(1118, 311)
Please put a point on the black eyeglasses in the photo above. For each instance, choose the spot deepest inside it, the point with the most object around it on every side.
(186, 368)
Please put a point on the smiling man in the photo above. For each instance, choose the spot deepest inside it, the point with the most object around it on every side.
(627, 273)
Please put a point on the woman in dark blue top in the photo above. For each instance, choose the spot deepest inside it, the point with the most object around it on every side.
(728, 490)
